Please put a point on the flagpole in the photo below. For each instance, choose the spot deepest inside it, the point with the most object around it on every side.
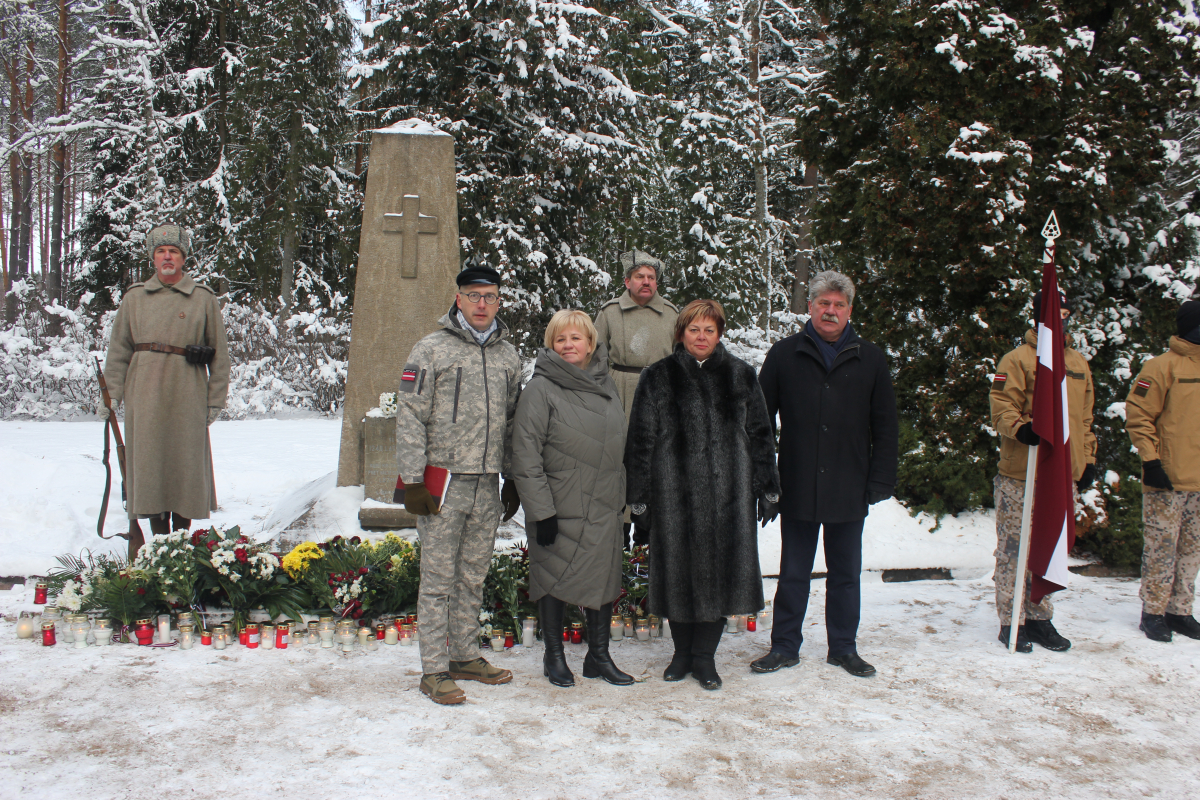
(1023, 550)
(1050, 232)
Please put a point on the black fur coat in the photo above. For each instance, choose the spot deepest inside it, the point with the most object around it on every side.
(699, 454)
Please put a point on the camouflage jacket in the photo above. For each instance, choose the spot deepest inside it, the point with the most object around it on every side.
(456, 403)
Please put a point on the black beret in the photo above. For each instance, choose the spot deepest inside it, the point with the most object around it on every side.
(1062, 301)
(478, 274)
(1188, 317)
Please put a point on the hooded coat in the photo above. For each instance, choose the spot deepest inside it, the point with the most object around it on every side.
(699, 454)
(568, 444)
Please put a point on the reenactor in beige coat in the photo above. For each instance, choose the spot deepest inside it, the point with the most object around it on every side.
(1012, 406)
(169, 362)
(1162, 417)
(638, 326)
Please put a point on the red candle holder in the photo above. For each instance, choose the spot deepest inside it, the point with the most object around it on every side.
(751, 624)
(244, 637)
(566, 634)
(576, 633)
(252, 636)
(508, 639)
(143, 629)
(206, 637)
(48, 638)
(39, 594)
(281, 637)
(380, 630)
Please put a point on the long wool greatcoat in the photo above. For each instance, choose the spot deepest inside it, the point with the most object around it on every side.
(699, 454)
(568, 444)
(636, 336)
(167, 399)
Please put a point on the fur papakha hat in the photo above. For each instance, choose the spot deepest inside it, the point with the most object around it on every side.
(169, 234)
(639, 258)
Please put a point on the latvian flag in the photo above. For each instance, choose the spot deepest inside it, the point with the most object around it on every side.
(1052, 533)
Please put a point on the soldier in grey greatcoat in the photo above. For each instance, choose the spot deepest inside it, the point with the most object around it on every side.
(568, 451)
(455, 407)
(638, 327)
(169, 362)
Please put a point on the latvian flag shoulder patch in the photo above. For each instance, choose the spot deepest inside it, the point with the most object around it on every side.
(998, 381)
(408, 378)
(1143, 386)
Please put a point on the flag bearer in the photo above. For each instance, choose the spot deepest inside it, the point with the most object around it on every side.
(455, 410)
(1162, 417)
(1012, 404)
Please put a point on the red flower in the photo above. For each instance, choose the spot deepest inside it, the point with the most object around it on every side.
(242, 540)
(141, 590)
(333, 583)
(323, 546)
(355, 540)
(387, 565)
(335, 540)
(211, 546)
(196, 536)
(362, 571)
(240, 555)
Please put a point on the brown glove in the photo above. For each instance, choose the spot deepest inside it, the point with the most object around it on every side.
(418, 501)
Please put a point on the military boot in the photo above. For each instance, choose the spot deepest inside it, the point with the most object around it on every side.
(554, 663)
(1023, 643)
(441, 688)
(1155, 627)
(1184, 624)
(1041, 631)
(598, 663)
(478, 669)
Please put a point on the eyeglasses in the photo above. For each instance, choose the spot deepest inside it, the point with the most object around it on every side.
(475, 297)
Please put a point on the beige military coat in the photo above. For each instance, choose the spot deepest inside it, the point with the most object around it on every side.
(167, 450)
(636, 336)
(1162, 414)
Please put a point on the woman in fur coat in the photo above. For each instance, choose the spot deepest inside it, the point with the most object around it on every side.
(700, 462)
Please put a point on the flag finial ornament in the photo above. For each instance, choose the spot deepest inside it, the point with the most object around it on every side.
(1051, 232)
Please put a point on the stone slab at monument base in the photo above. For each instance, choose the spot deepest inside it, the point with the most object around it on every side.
(380, 509)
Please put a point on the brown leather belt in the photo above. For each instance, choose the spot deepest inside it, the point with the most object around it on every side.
(623, 368)
(155, 347)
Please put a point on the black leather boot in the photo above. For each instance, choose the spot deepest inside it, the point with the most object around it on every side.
(681, 663)
(704, 653)
(1155, 627)
(554, 663)
(598, 663)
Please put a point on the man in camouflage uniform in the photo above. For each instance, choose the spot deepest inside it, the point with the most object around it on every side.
(638, 326)
(1012, 405)
(1162, 417)
(455, 409)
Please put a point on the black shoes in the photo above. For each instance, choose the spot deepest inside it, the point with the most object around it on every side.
(554, 663)
(772, 662)
(852, 664)
(681, 664)
(598, 663)
(705, 639)
(1184, 624)
(1042, 632)
(1155, 627)
(1023, 643)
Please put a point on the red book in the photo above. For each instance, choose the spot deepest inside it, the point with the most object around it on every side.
(436, 481)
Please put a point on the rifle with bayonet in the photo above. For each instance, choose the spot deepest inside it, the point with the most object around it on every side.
(110, 422)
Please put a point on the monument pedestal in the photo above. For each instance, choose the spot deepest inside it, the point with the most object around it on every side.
(381, 508)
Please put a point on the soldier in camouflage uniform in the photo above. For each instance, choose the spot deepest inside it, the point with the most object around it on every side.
(455, 409)
(1161, 417)
(1012, 405)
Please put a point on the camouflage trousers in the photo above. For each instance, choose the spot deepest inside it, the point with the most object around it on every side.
(456, 550)
(1171, 552)
(1010, 499)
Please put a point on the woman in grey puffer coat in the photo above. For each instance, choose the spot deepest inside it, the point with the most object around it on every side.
(568, 451)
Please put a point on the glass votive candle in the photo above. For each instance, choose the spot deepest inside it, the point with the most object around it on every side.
(731, 624)
(642, 630)
(764, 618)
(25, 626)
(102, 631)
(497, 642)
(666, 629)
(164, 628)
(79, 629)
(391, 635)
(267, 637)
(326, 630)
(576, 633)
(219, 638)
(187, 635)
(363, 635)
(616, 627)
(655, 627)
(314, 632)
(51, 614)
(48, 637)
(39, 597)
(743, 623)
(380, 631)
(345, 634)
(406, 634)
(752, 623)
(62, 628)
(528, 631)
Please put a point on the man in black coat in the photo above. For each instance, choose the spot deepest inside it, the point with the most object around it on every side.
(838, 449)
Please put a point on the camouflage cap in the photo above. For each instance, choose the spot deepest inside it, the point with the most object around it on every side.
(169, 234)
(639, 258)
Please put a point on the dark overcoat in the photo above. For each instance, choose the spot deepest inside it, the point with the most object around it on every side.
(699, 453)
(838, 435)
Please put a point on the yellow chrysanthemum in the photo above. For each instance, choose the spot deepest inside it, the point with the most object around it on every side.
(296, 562)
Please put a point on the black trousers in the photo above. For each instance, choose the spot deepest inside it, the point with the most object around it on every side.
(843, 560)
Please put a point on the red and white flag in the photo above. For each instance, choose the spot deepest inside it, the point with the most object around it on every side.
(1052, 531)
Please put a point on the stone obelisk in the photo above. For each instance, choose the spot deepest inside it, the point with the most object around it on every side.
(407, 260)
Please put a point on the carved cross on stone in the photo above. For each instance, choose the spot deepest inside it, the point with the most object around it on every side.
(408, 224)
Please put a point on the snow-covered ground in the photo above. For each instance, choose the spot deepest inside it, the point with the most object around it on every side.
(950, 713)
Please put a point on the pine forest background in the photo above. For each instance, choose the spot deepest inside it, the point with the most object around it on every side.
(916, 146)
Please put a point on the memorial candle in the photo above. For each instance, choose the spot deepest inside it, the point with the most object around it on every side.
(164, 628)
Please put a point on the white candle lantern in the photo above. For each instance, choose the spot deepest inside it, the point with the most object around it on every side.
(102, 630)
(187, 635)
(25, 625)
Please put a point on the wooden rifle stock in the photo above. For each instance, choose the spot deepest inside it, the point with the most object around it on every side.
(111, 422)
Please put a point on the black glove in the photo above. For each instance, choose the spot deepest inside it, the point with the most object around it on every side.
(199, 354)
(418, 501)
(641, 529)
(1086, 479)
(1154, 476)
(547, 531)
(767, 510)
(1025, 435)
(874, 497)
(510, 500)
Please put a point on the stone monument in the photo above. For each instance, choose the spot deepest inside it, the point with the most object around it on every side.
(407, 260)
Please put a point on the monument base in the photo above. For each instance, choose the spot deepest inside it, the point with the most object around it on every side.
(384, 516)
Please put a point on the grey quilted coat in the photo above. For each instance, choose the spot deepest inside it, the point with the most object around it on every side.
(568, 449)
